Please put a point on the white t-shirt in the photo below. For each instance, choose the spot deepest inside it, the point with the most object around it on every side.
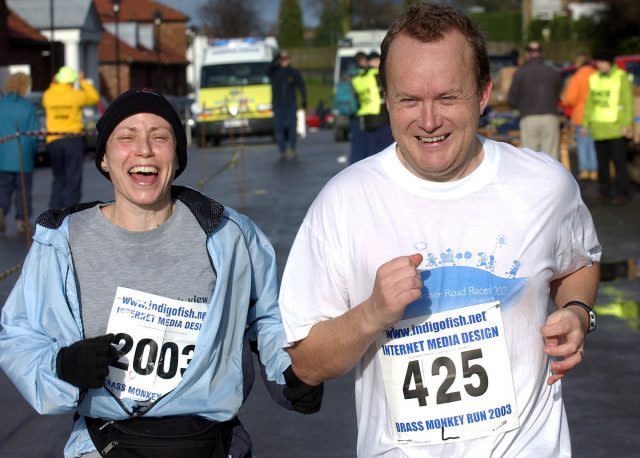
(501, 233)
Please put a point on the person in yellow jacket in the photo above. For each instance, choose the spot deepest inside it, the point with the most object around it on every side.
(608, 114)
(63, 108)
(575, 96)
(361, 89)
(372, 113)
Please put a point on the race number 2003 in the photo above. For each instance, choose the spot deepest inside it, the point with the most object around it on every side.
(447, 377)
(155, 338)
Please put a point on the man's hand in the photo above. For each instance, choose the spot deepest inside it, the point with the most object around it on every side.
(397, 284)
(563, 334)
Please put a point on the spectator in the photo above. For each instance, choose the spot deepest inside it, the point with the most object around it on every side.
(174, 279)
(344, 100)
(63, 107)
(372, 113)
(535, 92)
(361, 86)
(376, 125)
(575, 96)
(16, 163)
(608, 115)
(285, 81)
(430, 266)
(505, 76)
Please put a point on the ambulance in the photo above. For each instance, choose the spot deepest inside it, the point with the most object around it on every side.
(234, 93)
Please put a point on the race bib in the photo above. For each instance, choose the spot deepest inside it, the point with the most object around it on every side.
(448, 378)
(156, 338)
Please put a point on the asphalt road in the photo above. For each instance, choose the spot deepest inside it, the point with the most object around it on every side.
(600, 395)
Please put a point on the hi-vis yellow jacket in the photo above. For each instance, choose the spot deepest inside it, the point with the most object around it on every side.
(63, 106)
(365, 85)
(609, 105)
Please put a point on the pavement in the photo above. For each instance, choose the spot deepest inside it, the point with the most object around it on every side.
(600, 395)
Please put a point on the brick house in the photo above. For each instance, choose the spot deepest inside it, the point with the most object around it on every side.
(150, 50)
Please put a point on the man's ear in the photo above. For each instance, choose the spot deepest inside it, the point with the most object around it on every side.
(484, 95)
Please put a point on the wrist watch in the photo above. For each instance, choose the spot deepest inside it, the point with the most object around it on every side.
(591, 325)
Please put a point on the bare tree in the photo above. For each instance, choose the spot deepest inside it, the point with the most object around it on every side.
(230, 18)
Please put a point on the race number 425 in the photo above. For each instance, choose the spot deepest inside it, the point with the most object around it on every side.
(470, 367)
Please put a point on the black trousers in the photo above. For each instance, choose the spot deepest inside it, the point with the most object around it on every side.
(613, 150)
(67, 156)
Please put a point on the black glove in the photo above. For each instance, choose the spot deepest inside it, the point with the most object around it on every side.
(304, 398)
(85, 363)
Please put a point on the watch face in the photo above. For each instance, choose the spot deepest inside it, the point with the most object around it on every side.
(592, 320)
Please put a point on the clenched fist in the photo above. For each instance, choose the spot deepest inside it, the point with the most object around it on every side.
(398, 283)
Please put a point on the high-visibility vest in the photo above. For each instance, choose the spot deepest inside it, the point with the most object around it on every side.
(365, 85)
(605, 95)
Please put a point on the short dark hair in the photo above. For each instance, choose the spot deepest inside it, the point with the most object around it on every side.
(428, 22)
(360, 55)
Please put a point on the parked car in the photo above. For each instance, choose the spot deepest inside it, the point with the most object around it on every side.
(90, 116)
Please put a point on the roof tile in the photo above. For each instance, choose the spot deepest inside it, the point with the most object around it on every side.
(137, 11)
(107, 53)
(19, 29)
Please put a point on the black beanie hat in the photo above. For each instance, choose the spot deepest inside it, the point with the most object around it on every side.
(136, 101)
(603, 54)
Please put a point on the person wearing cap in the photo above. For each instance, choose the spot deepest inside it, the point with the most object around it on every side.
(140, 314)
(286, 82)
(535, 93)
(608, 116)
(63, 102)
(16, 160)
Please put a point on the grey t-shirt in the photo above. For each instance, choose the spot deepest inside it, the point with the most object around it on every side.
(170, 261)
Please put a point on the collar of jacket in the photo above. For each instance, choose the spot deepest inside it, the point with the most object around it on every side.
(207, 211)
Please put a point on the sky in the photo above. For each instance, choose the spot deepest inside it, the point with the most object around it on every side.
(267, 9)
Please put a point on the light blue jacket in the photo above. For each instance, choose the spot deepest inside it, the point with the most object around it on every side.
(42, 315)
(17, 113)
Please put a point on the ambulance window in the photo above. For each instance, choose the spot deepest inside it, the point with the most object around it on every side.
(236, 74)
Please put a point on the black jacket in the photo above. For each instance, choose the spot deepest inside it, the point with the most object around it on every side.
(535, 88)
(284, 81)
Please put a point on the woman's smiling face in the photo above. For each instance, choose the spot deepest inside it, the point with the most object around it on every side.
(141, 160)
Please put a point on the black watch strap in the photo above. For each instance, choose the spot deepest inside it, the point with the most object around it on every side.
(591, 325)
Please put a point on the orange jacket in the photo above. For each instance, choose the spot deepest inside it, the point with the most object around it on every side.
(576, 92)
